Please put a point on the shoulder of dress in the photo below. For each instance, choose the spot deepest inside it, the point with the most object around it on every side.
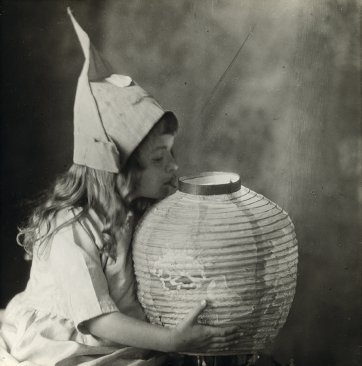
(80, 230)
(92, 226)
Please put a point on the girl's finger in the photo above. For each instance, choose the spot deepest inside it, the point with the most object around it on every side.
(224, 343)
(222, 346)
(228, 338)
(191, 317)
(223, 332)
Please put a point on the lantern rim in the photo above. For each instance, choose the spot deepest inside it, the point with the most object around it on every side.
(210, 183)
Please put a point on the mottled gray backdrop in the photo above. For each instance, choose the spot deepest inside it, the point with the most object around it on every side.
(286, 117)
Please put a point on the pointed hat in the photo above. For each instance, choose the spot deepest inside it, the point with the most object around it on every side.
(112, 114)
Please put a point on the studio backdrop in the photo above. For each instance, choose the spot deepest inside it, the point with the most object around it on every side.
(284, 113)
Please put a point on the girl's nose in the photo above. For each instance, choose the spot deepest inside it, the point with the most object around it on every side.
(172, 165)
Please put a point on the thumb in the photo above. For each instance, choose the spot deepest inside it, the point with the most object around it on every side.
(191, 317)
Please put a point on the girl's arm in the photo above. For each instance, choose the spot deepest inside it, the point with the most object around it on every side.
(188, 336)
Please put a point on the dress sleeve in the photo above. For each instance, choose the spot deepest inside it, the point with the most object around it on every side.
(76, 266)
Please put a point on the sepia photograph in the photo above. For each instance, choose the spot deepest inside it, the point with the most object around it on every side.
(181, 183)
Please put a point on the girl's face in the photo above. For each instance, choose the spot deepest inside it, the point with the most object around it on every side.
(158, 175)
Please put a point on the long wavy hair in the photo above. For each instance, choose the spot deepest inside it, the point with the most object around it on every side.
(110, 195)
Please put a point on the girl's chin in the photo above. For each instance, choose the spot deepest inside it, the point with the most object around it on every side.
(163, 192)
(171, 189)
(166, 191)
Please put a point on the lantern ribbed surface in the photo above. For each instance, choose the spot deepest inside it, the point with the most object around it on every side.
(234, 248)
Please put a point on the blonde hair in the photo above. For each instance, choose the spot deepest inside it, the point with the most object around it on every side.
(110, 195)
(81, 187)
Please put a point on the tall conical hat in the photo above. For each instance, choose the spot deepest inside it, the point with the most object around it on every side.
(112, 114)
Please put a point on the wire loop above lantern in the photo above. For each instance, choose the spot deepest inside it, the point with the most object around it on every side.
(216, 240)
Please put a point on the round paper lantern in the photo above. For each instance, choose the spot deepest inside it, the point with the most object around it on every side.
(216, 240)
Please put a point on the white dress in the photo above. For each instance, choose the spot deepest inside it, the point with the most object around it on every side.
(73, 280)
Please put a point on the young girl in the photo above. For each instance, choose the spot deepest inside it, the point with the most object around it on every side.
(80, 306)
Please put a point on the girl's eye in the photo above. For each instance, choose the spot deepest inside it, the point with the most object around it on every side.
(157, 159)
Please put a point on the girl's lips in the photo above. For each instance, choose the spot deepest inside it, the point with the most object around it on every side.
(172, 182)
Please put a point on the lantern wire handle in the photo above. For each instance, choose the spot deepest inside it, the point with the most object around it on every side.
(222, 77)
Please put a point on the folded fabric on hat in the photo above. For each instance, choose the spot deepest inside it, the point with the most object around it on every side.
(112, 114)
(127, 114)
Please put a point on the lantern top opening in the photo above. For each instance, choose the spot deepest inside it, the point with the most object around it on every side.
(210, 183)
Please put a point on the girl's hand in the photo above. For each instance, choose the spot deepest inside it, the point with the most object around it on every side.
(191, 337)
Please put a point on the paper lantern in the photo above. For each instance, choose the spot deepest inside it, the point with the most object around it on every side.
(216, 240)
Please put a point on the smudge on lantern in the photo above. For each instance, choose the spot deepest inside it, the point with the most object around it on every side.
(216, 240)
